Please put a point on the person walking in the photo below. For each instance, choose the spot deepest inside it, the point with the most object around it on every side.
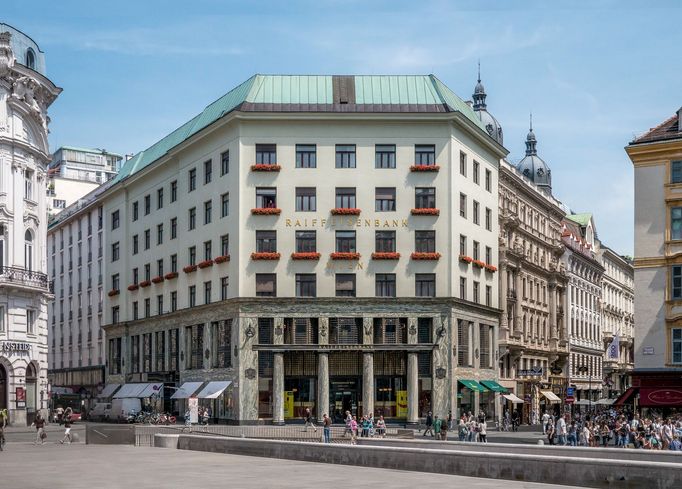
(483, 431)
(545, 421)
(348, 429)
(428, 424)
(381, 427)
(572, 436)
(308, 420)
(515, 421)
(326, 428)
(561, 430)
(188, 421)
(39, 423)
(450, 420)
(444, 430)
(353, 430)
(462, 428)
(67, 427)
(436, 427)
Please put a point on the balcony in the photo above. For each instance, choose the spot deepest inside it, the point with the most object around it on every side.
(25, 278)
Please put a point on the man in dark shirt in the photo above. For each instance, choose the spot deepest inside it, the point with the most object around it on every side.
(39, 423)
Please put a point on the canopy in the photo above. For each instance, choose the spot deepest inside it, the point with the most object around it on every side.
(625, 396)
(550, 396)
(213, 389)
(139, 391)
(584, 402)
(109, 390)
(606, 402)
(494, 386)
(186, 390)
(511, 397)
(152, 390)
(472, 385)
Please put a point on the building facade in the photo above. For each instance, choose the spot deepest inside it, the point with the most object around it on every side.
(322, 242)
(25, 95)
(657, 159)
(75, 172)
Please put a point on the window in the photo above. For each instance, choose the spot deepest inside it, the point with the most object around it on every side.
(147, 308)
(192, 295)
(159, 234)
(207, 249)
(192, 255)
(192, 218)
(147, 271)
(676, 223)
(462, 288)
(463, 205)
(115, 314)
(345, 285)
(174, 228)
(477, 170)
(266, 285)
(266, 241)
(159, 267)
(488, 219)
(115, 283)
(192, 179)
(159, 198)
(424, 331)
(463, 359)
(266, 154)
(425, 198)
(345, 241)
(488, 255)
(306, 156)
(225, 205)
(28, 184)
(462, 245)
(425, 241)
(384, 285)
(174, 263)
(30, 321)
(225, 245)
(135, 211)
(174, 301)
(30, 59)
(147, 204)
(384, 200)
(222, 335)
(306, 199)
(345, 198)
(476, 213)
(463, 163)
(425, 285)
(477, 289)
(224, 163)
(115, 221)
(224, 282)
(676, 172)
(207, 292)
(174, 190)
(136, 311)
(194, 337)
(115, 250)
(208, 171)
(345, 156)
(306, 241)
(676, 284)
(266, 198)
(306, 285)
(424, 154)
(159, 304)
(147, 239)
(676, 334)
(488, 180)
(136, 276)
(384, 156)
(477, 251)
(488, 295)
(208, 210)
(384, 241)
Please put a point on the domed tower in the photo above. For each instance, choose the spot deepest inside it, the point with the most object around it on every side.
(533, 167)
(491, 125)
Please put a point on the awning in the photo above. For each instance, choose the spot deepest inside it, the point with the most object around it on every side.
(213, 389)
(626, 396)
(660, 396)
(186, 390)
(472, 385)
(129, 390)
(494, 386)
(152, 390)
(550, 396)
(61, 390)
(584, 402)
(511, 397)
(109, 390)
(605, 402)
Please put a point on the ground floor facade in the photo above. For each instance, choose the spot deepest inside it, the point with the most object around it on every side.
(397, 358)
(658, 390)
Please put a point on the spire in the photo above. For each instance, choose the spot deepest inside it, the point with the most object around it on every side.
(479, 92)
(531, 142)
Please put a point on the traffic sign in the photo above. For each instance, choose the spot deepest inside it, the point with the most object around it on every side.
(570, 399)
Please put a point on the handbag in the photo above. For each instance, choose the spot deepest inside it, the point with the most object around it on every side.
(43, 435)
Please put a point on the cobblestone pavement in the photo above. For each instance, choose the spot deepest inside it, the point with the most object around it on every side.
(82, 466)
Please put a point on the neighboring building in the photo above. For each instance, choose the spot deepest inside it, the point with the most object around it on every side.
(617, 321)
(298, 240)
(76, 339)
(657, 158)
(75, 172)
(584, 271)
(25, 95)
(533, 336)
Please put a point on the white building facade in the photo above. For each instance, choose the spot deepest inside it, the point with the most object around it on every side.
(25, 95)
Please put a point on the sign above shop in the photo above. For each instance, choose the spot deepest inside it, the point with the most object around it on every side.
(531, 372)
(14, 347)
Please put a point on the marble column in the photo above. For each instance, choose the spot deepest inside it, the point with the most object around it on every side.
(367, 383)
(322, 385)
(412, 389)
(278, 389)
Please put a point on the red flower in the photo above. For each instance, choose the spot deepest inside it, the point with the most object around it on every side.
(386, 256)
(425, 256)
(170, 275)
(133, 287)
(261, 167)
(145, 283)
(425, 212)
(205, 263)
(478, 263)
(158, 279)
(345, 256)
(221, 259)
(265, 256)
(418, 168)
(190, 269)
(465, 259)
(266, 211)
(311, 255)
(114, 292)
(346, 211)
(491, 268)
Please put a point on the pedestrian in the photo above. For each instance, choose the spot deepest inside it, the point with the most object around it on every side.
(450, 420)
(428, 424)
(483, 431)
(353, 430)
(561, 430)
(381, 427)
(308, 420)
(4, 417)
(515, 421)
(551, 432)
(188, 421)
(675, 445)
(370, 418)
(205, 417)
(348, 429)
(444, 430)
(545, 421)
(436, 427)
(67, 427)
(462, 428)
(327, 428)
(364, 424)
(39, 423)
(572, 436)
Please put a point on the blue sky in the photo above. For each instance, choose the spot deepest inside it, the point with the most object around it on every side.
(593, 73)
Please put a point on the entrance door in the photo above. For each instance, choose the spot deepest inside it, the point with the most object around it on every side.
(343, 396)
(31, 397)
(3, 388)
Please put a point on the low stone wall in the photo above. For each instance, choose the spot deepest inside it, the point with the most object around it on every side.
(530, 468)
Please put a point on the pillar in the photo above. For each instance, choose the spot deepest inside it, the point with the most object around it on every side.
(278, 389)
(553, 332)
(367, 383)
(517, 308)
(502, 277)
(412, 389)
(322, 385)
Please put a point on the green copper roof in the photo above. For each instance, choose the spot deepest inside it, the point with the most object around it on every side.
(315, 93)
(581, 219)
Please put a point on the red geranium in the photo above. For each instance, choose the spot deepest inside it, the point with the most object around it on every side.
(311, 255)
(205, 263)
(265, 256)
(386, 256)
(170, 275)
(418, 168)
(345, 256)
(221, 259)
(133, 287)
(491, 268)
(425, 212)
(346, 211)
(479, 263)
(158, 279)
(114, 292)
(266, 211)
(425, 256)
(465, 259)
(261, 167)
(190, 269)
(145, 283)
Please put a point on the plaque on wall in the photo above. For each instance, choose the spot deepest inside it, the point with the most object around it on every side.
(250, 373)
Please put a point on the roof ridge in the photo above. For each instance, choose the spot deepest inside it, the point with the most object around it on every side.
(652, 129)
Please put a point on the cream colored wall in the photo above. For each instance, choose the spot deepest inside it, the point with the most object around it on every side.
(69, 191)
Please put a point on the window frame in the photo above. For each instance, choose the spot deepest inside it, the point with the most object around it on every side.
(385, 158)
(305, 158)
(345, 156)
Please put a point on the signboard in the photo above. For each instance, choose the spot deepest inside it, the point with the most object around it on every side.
(193, 405)
(531, 372)
(401, 404)
(288, 404)
(8, 347)
(648, 350)
(570, 399)
(570, 392)
(21, 397)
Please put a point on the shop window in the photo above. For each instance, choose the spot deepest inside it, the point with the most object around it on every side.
(390, 331)
(424, 330)
(300, 331)
(265, 330)
(463, 357)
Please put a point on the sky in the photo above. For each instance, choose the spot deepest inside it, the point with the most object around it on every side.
(594, 74)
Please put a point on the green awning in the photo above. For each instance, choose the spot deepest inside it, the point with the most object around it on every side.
(494, 386)
(472, 385)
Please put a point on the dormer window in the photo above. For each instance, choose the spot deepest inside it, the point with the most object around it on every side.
(30, 59)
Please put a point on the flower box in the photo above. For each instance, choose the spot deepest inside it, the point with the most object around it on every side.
(205, 264)
(490, 268)
(133, 287)
(345, 256)
(221, 259)
(114, 292)
(425, 212)
(311, 255)
(261, 167)
(190, 269)
(478, 263)
(465, 259)
(386, 256)
(266, 211)
(157, 280)
(171, 275)
(425, 256)
(423, 168)
(265, 256)
(345, 211)
(145, 283)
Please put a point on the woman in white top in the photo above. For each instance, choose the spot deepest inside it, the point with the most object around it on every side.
(483, 431)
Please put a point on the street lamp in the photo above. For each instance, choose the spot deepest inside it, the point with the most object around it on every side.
(583, 369)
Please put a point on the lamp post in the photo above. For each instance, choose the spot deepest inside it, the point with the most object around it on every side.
(583, 369)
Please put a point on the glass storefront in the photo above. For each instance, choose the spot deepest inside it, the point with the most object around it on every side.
(344, 395)
(299, 393)
(390, 397)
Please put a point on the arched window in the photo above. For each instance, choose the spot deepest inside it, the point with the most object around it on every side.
(30, 59)
(28, 250)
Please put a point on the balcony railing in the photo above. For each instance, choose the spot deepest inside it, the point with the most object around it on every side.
(26, 278)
